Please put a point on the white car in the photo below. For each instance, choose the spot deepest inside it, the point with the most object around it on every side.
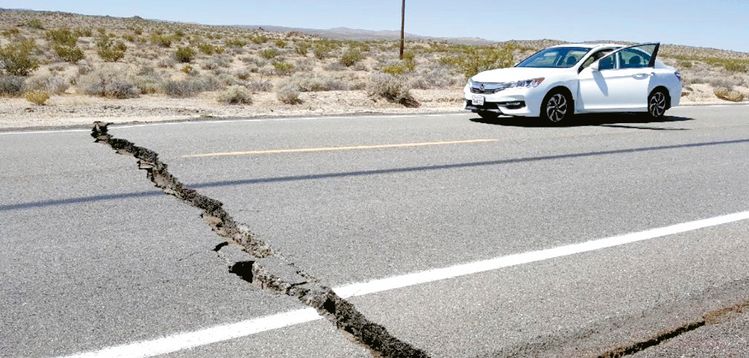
(560, 81)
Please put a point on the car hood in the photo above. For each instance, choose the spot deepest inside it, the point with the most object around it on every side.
(516, 74)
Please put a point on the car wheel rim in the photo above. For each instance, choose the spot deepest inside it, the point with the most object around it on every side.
(556, 107)
(657, 104)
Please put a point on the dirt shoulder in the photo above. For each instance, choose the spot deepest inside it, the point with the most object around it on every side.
(81, 110)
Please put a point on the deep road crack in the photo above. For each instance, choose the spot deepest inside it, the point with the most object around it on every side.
(265, 268)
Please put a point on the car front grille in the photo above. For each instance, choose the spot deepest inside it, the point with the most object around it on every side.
(487, 87)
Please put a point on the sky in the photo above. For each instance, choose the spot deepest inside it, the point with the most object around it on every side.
(716, 23)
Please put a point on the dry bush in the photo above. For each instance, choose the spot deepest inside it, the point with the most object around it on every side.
(728, 94)
(38, 98)
(280, 43)
(235, 95)
(11, 85)
(235, 42)
(437, 77)
(47, 83)
(184, 54)
(161, 40)
(108, 81)
(288, 93)
(316, 82)
(283, 68)
(209, 49)
(260, 86)
(269, 53)
(259, 39)
(351, 57)
(301, 48)
(473, 60)
(192, 86)
(391, 88)
(334, 67)
(110, 50)
(17, 58)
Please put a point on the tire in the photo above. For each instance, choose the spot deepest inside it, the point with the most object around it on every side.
(557, 107)
(488, 115)
(657, 104)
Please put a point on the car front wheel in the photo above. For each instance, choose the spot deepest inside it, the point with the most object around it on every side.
(657, 104)
(557, 107)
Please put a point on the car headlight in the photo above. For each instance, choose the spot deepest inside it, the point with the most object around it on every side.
(531, 83)
(470, 83)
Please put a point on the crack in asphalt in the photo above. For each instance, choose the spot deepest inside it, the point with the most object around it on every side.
(709, 318)
(267, 269)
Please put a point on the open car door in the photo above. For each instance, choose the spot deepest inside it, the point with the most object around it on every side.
(619, 81)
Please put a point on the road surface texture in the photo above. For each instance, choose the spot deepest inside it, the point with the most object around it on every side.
(488, 238)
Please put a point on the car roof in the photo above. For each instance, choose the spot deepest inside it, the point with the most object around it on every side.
(590, 46)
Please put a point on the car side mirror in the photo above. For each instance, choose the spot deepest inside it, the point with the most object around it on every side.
(595, 66)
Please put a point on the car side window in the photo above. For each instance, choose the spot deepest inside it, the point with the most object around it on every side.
(594, 57)
(631, 57)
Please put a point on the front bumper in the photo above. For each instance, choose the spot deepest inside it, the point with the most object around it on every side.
(524, 102)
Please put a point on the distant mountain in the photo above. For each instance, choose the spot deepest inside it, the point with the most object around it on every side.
(345, 33)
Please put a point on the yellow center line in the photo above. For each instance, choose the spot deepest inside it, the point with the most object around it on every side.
(331, 149)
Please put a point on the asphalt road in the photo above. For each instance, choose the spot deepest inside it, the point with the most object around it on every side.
(92, 256)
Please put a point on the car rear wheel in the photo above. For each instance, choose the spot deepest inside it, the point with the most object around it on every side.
(557, 107)
(657, 104)
(488, 115)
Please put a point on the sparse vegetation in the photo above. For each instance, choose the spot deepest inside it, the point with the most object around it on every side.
(351, 57)
(391, 88)
(184, 54)
(38, 98)
(236, 95)
(288, 93)
(11, 86)
(283, 68)
(474, 60)
(108, 81)
(110, 50)
(269, 53)
(728, 94)
(17, 57)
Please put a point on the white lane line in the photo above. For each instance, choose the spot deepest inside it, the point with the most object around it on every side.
(226, 332)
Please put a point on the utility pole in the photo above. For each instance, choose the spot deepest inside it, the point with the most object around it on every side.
(403, 26)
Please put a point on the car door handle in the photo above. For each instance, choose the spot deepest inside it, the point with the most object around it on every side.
(641, 76)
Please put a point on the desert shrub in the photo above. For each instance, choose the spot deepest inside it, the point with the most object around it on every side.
(235, 42)
(322, 49)
(108, 82)
(391, 88)
(243, 75)
(187, 69)
(161, 40)
(17, 58)
(436, 77)
(191, 86)
(38, 98)
(259, 39)
(184, 54)
(47, 83)
(260, 86)
(727, 82)
(129, 37)
(280, 43)
(351, 57)
(82, 32)
(110, 50)
(684, 64)
(35, 24)
(209, 49)
(11, 32)
(473, 60)
(269, 53)
(395, 69)
(69, 54)
(301, 48)
(235, 95)
(283, 68)
(11, 85)
(728, 94)
(316, 83)
(288, 93)
(62, 37)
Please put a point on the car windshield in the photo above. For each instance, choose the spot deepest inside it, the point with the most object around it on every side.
(555, 57)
